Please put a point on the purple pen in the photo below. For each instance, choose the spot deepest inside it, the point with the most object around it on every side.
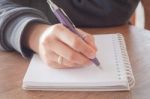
(64, 19)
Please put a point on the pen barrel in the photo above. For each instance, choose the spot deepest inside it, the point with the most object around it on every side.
(63, 18)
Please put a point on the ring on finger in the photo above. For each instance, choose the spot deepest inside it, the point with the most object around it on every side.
(60, 60)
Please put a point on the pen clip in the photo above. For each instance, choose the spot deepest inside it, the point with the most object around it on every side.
(54, 8)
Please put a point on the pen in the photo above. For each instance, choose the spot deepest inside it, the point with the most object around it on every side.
(64, 19)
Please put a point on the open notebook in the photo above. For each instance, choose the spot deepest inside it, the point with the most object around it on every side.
(115, 73)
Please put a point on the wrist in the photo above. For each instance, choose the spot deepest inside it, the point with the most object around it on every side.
(32, 35)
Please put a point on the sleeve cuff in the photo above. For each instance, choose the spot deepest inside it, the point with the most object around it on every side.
(27, 53)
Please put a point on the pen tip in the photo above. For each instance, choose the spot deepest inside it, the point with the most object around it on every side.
(96, 61)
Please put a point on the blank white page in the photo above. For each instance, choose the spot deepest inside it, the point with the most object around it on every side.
(40, 74)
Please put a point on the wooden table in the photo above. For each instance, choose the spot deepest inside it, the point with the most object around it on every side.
(13, 68)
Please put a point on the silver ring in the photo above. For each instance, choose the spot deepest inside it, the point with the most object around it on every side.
(60, 60)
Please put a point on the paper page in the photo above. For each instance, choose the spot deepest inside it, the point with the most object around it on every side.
(41, 74)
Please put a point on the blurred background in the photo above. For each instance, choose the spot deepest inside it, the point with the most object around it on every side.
(141, 17)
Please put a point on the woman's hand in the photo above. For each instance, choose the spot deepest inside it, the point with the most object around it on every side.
(50, 42)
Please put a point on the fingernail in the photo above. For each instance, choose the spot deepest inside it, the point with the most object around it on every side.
(92, 56)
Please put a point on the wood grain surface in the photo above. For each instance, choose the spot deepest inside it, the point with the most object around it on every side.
(13, 68)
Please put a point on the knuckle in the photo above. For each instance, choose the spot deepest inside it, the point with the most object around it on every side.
(45, 40)
(72, 56)
(48, 43)
(76, 42)
(90, 37)
(44, 43)
(85, 50)
(57, 26)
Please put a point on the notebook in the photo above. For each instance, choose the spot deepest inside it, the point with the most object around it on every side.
(115, 73)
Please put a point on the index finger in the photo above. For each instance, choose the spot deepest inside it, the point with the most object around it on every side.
(88, 38)
(75, 42)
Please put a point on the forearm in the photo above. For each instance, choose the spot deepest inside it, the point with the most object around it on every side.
(13, 21)
(32, 34)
